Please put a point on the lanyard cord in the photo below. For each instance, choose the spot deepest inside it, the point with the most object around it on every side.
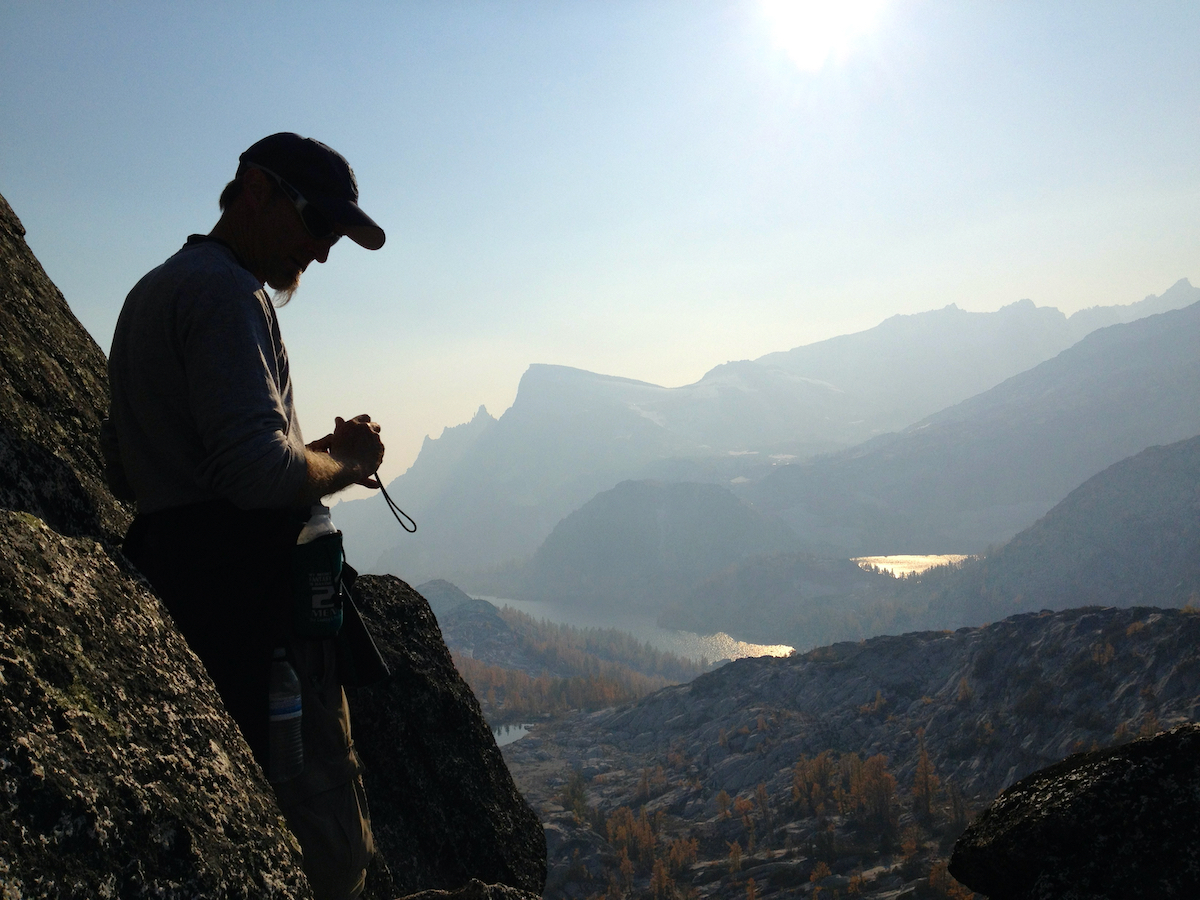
(396, 510)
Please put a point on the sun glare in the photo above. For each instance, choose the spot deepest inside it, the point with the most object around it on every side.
(815, 32)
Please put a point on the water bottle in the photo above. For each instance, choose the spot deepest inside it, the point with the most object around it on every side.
(317, 577)
(286, 747)
(319, 523)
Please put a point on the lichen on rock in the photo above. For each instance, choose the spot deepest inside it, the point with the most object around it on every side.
(120, 773)
(1119, 822)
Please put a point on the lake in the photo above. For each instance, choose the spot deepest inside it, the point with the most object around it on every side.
(712, 647)
(907, 565)
(506, 734)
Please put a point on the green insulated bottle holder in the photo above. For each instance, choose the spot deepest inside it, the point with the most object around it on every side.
(317, 586)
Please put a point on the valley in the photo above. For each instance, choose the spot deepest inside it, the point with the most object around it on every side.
(973, 596)
(850, 768)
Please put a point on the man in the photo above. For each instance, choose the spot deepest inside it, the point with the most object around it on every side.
(203, 434)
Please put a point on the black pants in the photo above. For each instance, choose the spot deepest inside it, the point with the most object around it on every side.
(225, 576)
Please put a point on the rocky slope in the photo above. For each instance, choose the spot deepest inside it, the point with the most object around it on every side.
(991, 705)
(121, 774)
(53, 394)
(1106, 824)
(442, 801)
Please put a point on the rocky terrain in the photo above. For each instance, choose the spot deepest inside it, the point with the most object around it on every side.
(1104, 824)
(984, 706)
(442, 801)
(53, 395)
(121, 774)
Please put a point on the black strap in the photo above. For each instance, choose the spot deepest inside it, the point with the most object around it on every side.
(396, 510)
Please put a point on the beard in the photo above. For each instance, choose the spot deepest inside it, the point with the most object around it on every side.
(284, 286)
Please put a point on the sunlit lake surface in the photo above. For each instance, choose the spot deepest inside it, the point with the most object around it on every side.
(907, 565)
(712, 647)
(506, 734)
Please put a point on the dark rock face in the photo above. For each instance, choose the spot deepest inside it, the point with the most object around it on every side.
(121, 775)
(476, 890)
(53, 395)
(1108, 824)
(443, 805)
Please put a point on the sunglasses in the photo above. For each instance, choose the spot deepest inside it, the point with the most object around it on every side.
(316, 223)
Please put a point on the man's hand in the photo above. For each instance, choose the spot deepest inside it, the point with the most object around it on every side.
(356, 445)
(350, 455)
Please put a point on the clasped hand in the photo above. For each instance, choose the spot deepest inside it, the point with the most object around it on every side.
(356, 445)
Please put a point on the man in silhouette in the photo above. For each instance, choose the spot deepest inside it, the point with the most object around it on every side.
(203, 434)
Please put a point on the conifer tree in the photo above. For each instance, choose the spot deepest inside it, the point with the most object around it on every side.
(925, 782)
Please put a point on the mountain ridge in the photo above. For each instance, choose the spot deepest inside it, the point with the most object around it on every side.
(974, 474)
(571, 434)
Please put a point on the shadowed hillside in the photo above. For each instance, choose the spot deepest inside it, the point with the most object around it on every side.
(642, 544)
(977, 473)
(1128, 536)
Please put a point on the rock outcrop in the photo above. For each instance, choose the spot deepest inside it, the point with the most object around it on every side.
(53, 394)
(121, 774)
(442, 800)
(1107, 824)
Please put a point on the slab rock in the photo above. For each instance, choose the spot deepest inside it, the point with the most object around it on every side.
(53, 396)
(1116, 823)
(476, 890)
(444, 807)
(121, 775)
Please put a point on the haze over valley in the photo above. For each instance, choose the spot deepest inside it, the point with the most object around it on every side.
(940, 433)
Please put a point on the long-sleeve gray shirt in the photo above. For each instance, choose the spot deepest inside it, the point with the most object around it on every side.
(202, 403)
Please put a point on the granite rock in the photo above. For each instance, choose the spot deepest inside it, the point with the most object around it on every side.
(53, 396)
(121, 775)
(444, 807)
(1112, 823)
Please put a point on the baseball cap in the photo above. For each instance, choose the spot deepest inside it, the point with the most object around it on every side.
(322, 175)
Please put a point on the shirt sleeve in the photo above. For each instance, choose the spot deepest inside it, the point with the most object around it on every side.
(239, 391)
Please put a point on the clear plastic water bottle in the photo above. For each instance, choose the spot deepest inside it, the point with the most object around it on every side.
(286, 746)
(319, 523)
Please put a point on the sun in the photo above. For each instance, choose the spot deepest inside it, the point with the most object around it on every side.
(816, 32)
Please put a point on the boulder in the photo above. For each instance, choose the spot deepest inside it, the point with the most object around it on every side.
(443, 804)
(1115, 823)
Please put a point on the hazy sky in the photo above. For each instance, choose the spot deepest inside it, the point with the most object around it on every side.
(641, 189)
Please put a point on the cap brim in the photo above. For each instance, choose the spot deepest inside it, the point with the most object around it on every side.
(351, 221)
